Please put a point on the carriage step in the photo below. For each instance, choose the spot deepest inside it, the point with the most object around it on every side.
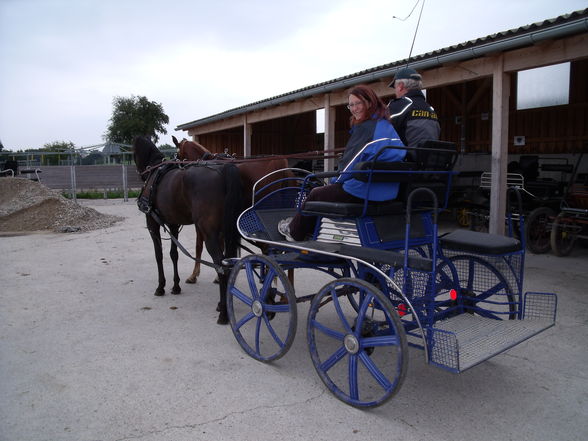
(372, 255)
(463, 341)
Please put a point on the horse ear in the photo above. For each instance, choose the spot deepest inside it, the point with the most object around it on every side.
(175, 141)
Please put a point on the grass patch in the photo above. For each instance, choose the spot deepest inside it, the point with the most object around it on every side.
(115, 194)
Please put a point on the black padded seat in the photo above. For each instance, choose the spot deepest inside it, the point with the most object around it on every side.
(323, 208)
(480, 243)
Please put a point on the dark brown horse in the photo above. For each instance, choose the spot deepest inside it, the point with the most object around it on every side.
(250, 170)
(206, 195)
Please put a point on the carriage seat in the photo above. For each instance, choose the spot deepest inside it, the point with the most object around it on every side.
(479, 243)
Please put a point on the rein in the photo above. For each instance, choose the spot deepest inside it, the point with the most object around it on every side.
(241, 160)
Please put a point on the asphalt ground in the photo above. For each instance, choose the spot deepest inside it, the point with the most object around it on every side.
(88, 353)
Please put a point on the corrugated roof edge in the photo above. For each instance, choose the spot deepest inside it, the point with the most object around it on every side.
(568, 24)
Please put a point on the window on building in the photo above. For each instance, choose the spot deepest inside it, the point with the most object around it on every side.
(320, 121)
(543, 86)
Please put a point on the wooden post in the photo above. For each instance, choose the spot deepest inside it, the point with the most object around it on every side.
(329, 140)
(500, 97)
(247, 129)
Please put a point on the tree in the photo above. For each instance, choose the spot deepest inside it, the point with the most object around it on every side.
(135, 116)
(58, 146)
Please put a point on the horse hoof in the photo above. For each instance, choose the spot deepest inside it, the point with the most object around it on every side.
(222, 320)
(191, 280)
(216, 281)
(159, 292)
(176, 291)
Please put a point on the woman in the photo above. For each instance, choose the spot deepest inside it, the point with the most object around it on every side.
(369, 122)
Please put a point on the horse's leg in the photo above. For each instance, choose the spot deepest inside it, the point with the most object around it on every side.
(196, 272)
(174, 230)
(213, 245)
(153, 228)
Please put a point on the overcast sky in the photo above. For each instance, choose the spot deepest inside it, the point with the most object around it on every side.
(63, 61)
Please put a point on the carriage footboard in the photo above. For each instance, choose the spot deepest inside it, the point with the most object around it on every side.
(463, 341)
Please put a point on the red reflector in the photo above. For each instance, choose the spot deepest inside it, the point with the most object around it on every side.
(402, 310)
(453, 294)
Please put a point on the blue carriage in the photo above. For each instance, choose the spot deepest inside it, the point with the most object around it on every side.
(393, 281)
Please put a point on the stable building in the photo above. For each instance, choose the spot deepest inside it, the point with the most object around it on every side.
(484, 91)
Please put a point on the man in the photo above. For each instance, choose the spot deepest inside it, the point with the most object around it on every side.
(413, 118)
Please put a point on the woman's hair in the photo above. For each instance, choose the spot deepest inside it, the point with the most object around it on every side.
(375, 107)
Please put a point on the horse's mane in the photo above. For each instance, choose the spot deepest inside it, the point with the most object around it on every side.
(147, 150)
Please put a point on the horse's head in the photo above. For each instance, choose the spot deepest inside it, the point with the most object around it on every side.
(189, 150)
(145, 154)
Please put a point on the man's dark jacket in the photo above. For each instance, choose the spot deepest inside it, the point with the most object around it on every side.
(414, 119)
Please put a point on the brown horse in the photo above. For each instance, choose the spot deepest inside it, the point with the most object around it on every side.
(250, 170)
(206, 195)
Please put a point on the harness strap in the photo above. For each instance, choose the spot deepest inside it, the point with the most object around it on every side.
(218, 268)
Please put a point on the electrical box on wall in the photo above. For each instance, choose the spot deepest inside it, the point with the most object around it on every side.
(519, 140)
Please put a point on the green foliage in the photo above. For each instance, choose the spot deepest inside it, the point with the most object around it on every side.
(135, 116)
(58, 146)
(119, 194)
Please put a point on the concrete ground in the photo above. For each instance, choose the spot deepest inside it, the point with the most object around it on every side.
(88, 353)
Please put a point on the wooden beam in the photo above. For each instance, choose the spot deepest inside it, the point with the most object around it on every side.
(330, 116)
(546, 53)
(500, 96)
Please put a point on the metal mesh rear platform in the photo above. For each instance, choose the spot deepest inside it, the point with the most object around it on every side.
(466, 340)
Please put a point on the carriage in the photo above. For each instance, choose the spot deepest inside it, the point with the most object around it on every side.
(393, 281)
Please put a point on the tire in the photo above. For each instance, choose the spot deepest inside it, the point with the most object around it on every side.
(563, 235)
(262, 307)
(538, 230)
(360, 355)
(480, 287)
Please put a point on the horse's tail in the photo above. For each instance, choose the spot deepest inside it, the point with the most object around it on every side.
(233, 201)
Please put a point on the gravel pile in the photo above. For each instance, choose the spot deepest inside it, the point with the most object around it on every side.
(27, 205)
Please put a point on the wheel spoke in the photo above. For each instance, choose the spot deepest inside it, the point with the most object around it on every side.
(375, 371)
(244, 320)
(328, 331)
(241, 296)
(353, 386)
(251, 278)
(365, 304)
(257, 333)
(285, 307)
(490, 292)
(340, 311)
(267, 282)
(271, 330)
(383, 340)
(333, 359)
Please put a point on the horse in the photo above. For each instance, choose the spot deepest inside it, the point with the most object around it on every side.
(206, 195)
(250, 170)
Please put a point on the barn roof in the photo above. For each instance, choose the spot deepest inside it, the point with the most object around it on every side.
(563, 25)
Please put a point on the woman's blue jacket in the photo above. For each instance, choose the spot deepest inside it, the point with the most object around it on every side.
(359, 149)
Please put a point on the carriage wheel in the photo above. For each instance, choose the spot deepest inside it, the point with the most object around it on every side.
(563, 235)
(473, 285)
(538, 230)
(262, 307)
(361, 355)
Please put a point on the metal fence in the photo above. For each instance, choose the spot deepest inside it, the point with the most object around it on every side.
(74, 179)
